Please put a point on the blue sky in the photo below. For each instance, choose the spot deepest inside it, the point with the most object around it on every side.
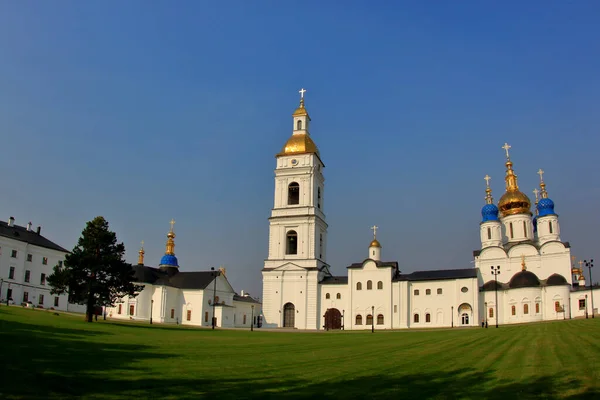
(145, 111)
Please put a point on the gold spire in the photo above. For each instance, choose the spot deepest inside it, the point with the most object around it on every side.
(141, 253)
(375, 242)
(170, 240)
(542, 184)
(488, 190)
(300, 142)
(301, 111)
(513, 201)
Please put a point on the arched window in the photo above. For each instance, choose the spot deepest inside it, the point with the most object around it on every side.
(298, 125)
(416, 318)
(358, 286)
(338, 296)
(358, 320)
(491, 312)
(380, 319)
(557, 306)
(514, 310)
(380, 285)
(244, 319)
(427, 292)
(525, 308)
(291, 243)
(293, 193)
(537, 308)
(327, 296)
(550, 226)
(489, 233)
(321, 245)
(369, 285)
(369, 319)
(318, 197)
(524, 228)
(427, 317)
(510, 226)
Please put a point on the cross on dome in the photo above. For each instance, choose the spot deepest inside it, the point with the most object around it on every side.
(302, 91)
(581, 264)
(541, 174)
(487, 180)
(142, 244)
(172, 223)
(506, 147)
(374, 229)
(536, 192)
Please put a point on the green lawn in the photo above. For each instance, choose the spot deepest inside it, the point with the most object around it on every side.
(48, 356)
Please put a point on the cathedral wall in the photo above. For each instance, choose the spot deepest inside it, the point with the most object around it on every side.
(363, 301)
(242, 309)
(342, 304)
(192, 305)
(578, 301)
(520, 305)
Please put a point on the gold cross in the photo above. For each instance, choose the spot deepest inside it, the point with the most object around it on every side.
(374, 229)
(172, 223)
(302, 91)
(487, 180)
(581, 264)
(536, 192)
(541, 174)
(142, 244)
(506, 147)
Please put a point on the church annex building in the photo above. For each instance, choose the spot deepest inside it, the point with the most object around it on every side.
(523, 271)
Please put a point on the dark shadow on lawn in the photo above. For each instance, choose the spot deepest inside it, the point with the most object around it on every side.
(40, 361)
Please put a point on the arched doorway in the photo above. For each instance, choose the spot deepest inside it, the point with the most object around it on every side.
(465, 312)
(289, 315)
(333, 319)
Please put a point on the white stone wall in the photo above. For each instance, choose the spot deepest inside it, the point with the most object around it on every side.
(364, 301)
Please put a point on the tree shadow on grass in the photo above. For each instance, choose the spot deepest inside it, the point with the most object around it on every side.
(53, 362)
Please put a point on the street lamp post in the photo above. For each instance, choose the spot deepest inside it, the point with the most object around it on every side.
(343, 320)
(372, 319)
(590, 265)
(214, 297)
(151, 307)
(252, 320)
(586, 310)
(452, 315)
(496, 272)
(570, 308)
(486, 314)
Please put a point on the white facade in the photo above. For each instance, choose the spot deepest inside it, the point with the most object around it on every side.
(535, 275)
(25, 264)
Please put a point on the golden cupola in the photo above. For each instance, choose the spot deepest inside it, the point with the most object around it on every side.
(300, 142)
(513, 201)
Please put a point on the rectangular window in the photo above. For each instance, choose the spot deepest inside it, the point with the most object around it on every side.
(439, 291)
(525, 228)
(537, 308)
(56, 301)
(25, 297)
(206, 316)
(172, 313)
(120, 309)
(13, 254)
(510, 226)
(416, 292)
(491, 313)
(27, 275)
(427, 292)
(131, 309)
(45, 260)
(29, 257)
(489, 230)
(41, 300)
(9, 294)
(550, 226)
(525, 308)
(395, 308)
(514, 310)
(189, 315)
(11, 273)
(581, 304)
(43, 279)
(60, 264)
(244, 319)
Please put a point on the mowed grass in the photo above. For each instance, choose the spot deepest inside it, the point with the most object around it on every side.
(47, 356)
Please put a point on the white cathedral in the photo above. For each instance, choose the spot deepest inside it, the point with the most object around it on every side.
(523, 271)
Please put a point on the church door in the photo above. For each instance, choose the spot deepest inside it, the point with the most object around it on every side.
(289, 315)
(465, 319)
(333, 319)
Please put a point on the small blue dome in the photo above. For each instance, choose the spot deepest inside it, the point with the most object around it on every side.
(545, 207)
(169, 260)
(489, 212)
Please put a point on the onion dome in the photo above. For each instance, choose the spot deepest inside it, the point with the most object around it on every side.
(556, 280)
(524, 279)
(545, 206)
(491, 285)
(141, 253)
(300, 142)
(375, 243)
(169, 259)
(489, 212)
(513, 201)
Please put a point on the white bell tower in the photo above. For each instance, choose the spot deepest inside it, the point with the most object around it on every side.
(297, 232)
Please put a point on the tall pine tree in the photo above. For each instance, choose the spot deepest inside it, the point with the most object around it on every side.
(95, 273)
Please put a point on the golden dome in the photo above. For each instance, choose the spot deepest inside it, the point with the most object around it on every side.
(375, 243)
(300, 111)
(513, 201)
(299, 143)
